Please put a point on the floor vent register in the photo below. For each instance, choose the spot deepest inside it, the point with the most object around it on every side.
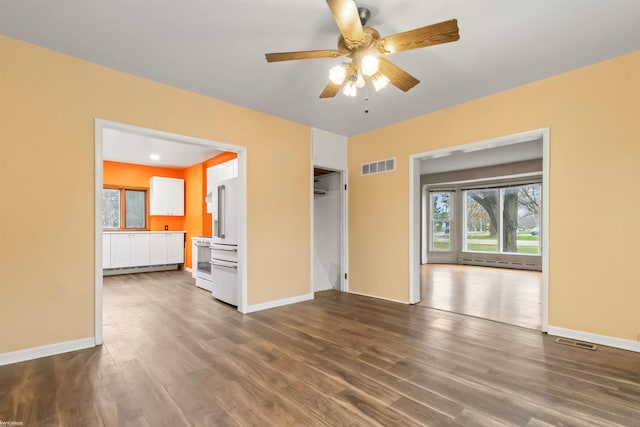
(579, 344)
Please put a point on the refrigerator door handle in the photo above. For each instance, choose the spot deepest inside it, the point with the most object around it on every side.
(221, 211)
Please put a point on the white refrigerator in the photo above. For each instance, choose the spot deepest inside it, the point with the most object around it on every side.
(224, 246)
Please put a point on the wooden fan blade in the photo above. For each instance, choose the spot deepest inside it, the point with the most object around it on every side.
(345, 13)
(443, 32)
(396, 75)
(305, 54)
(331, 90)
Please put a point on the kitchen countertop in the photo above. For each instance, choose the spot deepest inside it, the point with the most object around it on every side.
(143, 231)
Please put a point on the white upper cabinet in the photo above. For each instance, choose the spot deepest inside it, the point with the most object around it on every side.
(167, 196)
(329, 150)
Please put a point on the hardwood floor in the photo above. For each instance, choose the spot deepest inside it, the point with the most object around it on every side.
(500, 294)
(173, 356)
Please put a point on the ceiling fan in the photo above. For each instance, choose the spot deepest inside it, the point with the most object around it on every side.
(367, 50)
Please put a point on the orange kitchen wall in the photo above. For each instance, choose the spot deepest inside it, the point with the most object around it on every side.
(116, 173)
(195, 179)
(196, 221)
(48, 106)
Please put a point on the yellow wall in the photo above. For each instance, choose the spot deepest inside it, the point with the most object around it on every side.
(592, 115)
(48, 105)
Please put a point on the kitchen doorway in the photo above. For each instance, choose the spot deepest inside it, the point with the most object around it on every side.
(419, 249)
(102, 126)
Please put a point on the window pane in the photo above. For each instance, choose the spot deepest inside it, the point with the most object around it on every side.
(482, 220)
(440, 221)
(135, 209)
(521, 219)
(110, 208)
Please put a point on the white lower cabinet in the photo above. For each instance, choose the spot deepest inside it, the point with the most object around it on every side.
(158, 251)
(121, 250)
(139, 250)
(106, 251)
(175, 248)
(167, 248)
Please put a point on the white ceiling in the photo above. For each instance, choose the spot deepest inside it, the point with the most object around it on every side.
(217, 48)
(127, 147)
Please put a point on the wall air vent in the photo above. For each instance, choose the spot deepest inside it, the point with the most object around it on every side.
(380, 166)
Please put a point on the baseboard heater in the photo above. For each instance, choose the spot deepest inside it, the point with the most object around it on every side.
(500, 263)
(143, 269)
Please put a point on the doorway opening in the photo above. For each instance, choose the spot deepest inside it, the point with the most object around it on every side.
(329, 230)
(479, 229)
(181, 145)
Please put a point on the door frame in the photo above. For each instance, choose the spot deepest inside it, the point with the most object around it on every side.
(415, 200)
(99, 126)
(344, 229)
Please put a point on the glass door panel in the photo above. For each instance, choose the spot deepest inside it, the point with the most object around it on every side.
(481, 215)
(440, 214)
(521, 219)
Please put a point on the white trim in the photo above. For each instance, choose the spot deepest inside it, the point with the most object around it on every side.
(415, 199)
(243, 259)
(97, 303)
(312, 218)
(278, 303)
(46, 350)
(544, 245)
(414, 229)
(344, 241)
(99, 126)
(378, 297)
(595, 338)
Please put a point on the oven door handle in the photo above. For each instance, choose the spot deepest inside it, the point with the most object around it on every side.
(235, 267)
(219, 248)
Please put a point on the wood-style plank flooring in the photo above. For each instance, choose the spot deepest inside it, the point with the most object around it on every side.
(173, 356)
(500, 294)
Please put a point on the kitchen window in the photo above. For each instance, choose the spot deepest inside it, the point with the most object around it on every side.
(125, 208)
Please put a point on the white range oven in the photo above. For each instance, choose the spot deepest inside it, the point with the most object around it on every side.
(201, 261)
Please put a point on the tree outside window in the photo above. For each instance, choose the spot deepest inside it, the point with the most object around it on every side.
(125, 208)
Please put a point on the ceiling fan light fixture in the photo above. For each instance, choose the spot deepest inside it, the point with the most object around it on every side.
(338, 73)
(379, 81)
(369, 65)
(350, 89)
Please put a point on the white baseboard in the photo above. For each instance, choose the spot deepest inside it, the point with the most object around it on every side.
(46, 350)
(595, 338)
(378, 297)
(278, 303)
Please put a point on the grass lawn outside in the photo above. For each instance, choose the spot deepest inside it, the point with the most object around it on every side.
(492, 246)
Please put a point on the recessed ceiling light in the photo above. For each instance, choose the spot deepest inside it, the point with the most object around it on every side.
(154, 156)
